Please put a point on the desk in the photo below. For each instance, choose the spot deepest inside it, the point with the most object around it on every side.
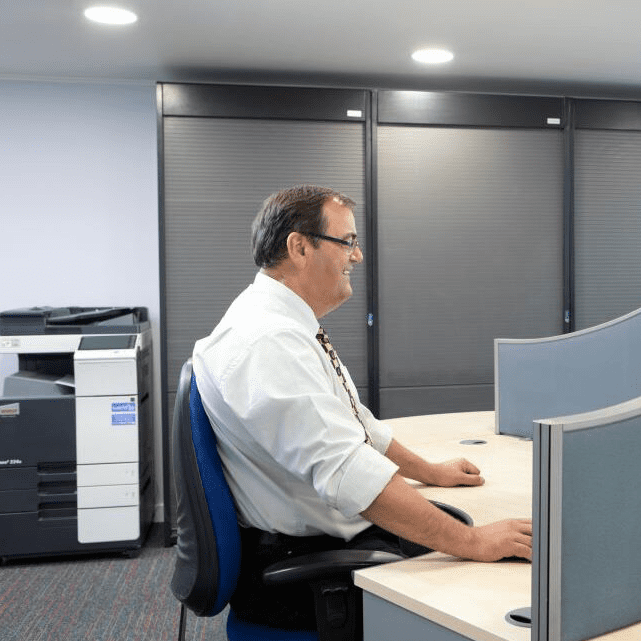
(438, 597)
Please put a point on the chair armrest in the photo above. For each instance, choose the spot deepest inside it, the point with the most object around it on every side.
(324, 565)
(337, 601)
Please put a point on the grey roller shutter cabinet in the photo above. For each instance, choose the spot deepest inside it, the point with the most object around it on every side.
(470, 249)
(470, 234)
(607, 225)
(217, 172)
(468, 212)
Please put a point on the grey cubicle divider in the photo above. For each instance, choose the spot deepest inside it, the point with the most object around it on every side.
(569, 374)
(586, 566)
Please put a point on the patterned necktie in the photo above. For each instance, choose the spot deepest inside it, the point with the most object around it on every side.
(323, 339)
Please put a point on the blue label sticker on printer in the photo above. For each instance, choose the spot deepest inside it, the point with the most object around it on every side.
(123, 407)
(123, 418)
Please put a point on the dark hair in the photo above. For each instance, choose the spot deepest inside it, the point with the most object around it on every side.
(297, 209)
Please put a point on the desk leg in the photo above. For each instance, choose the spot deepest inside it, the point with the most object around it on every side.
(384, 621)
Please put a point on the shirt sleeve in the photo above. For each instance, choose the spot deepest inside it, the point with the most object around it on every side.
(281, 393)
(380, 432)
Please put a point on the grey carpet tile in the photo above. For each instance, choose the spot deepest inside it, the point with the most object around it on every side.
(97, 598)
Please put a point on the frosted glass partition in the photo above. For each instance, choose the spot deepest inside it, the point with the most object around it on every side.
(569, 374)
(586, 567)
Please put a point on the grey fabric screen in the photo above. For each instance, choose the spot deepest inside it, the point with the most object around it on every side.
(470, 249)
(602, 595)
(607, 225)
(594, 368)
(586, 569)
(217, 173)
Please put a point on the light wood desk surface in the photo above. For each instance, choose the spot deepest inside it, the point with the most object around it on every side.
(468, 597)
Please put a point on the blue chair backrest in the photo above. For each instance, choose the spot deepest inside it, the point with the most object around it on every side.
(208, 540)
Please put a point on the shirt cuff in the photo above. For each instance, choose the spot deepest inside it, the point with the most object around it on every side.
(366, 475)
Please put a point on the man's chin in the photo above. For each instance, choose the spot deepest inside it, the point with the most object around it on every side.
(347, 294)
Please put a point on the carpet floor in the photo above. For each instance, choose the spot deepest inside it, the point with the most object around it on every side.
(98, 598)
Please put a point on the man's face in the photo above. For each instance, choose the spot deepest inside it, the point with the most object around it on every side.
(332, 262)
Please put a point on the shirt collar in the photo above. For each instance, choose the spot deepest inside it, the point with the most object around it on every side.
(284, 296)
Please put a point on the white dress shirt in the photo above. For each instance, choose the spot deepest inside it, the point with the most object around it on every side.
(293, 452)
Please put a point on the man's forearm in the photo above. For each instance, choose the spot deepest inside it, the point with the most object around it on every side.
(410, 465)
(402, 510)
(447, 474)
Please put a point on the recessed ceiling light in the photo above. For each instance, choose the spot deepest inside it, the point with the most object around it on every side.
(110, 15)
(432, 56)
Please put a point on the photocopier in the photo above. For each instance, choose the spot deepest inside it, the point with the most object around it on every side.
(76, 434)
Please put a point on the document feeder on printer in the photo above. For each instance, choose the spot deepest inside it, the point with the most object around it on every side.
(76, 443)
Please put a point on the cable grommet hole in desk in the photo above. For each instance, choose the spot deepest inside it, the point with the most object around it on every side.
(521, 617)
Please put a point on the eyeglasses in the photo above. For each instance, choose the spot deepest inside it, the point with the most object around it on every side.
(352, 243)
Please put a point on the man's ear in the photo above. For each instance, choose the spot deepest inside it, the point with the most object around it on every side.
(297, 247)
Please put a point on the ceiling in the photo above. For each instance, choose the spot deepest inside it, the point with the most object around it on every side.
(558, 47)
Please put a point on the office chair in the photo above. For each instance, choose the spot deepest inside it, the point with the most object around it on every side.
(208, 542)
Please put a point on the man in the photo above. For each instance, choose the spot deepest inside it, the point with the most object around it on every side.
(308, 465)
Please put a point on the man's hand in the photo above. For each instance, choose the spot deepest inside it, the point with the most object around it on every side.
(502, 539)
(456, 472)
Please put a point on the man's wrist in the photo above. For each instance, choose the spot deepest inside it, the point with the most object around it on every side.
(431, 474)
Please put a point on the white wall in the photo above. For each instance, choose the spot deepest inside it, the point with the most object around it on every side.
(79, 202)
